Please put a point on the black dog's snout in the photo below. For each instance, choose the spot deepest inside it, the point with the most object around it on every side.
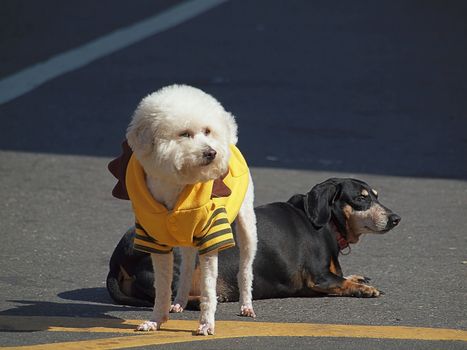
(209, 154)
(393, 220)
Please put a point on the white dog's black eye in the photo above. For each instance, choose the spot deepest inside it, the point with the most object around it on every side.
(207, 131)
(185, 134)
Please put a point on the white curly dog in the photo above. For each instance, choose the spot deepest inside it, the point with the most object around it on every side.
(183, 138)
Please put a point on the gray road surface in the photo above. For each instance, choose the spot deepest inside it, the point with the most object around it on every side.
(373, 90)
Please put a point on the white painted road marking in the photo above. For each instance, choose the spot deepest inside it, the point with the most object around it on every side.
(32, 77)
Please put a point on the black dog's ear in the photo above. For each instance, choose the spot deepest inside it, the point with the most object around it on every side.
(297, 201)
(318, 202)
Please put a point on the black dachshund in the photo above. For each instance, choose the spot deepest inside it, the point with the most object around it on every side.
(299, 242)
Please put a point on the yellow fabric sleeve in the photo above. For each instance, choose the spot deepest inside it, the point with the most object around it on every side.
(217, 234)
(143, 242)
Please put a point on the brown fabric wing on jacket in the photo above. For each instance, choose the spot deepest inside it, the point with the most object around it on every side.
(118, 169)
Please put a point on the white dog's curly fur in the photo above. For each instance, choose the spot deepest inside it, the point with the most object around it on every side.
(181, 135)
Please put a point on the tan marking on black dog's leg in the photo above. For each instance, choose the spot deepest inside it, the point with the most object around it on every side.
(297, 280)
(335, 267)
(125, 281)
(332, 267)
(309, 281)
(302, 279)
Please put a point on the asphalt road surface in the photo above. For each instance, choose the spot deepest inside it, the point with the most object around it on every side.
(365, 89)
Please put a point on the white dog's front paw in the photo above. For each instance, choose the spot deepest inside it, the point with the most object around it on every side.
(205, 329)
(177, 308)
(247, 311)
(148, 326)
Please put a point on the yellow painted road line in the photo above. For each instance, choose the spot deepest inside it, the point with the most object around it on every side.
(179, 331)
(66, 324)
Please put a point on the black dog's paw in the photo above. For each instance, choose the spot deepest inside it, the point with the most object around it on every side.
(365, 291)
(358, 279)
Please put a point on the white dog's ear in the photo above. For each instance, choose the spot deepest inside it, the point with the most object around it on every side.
(140, 137)
(232, 126)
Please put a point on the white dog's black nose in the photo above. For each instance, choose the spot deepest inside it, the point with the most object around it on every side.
(209, 155)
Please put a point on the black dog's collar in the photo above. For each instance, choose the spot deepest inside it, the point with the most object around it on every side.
(341, 240)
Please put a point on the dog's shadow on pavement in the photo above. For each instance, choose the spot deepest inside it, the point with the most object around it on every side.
(91, 310)
(94, 295)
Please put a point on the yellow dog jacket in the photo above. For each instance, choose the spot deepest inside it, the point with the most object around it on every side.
(201, 217)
